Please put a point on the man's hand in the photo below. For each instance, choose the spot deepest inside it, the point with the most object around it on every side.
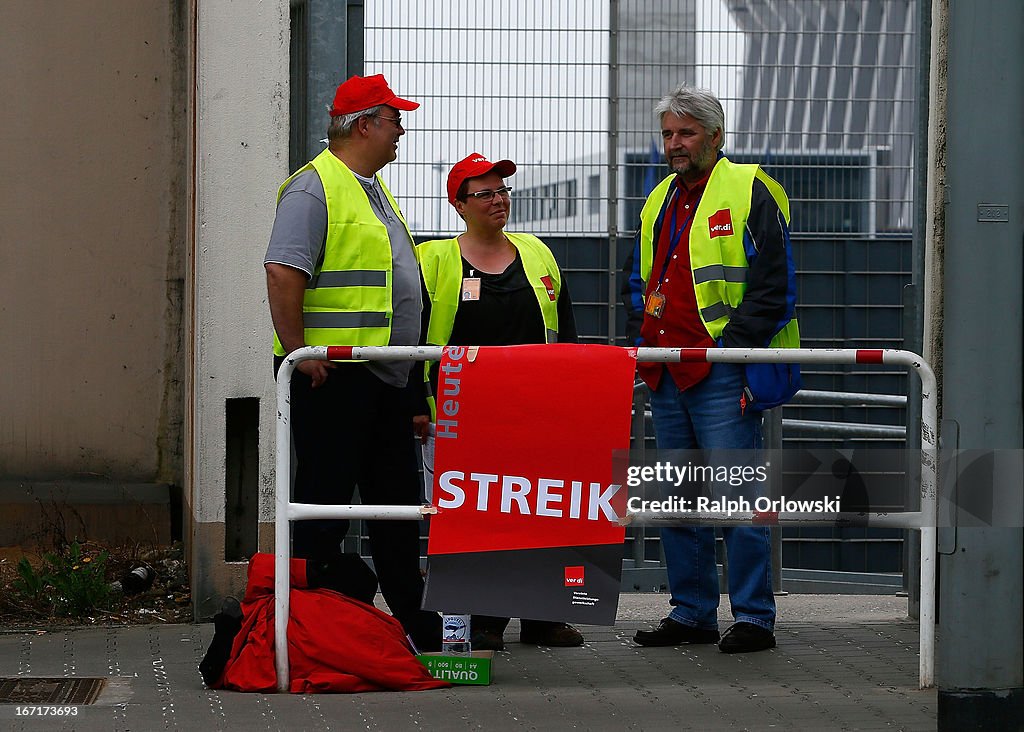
(421, 426)
(286, 287)
(316, 370)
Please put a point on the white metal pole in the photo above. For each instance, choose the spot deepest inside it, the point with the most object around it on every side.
(929, 532)
(282, 502)
(282, 526)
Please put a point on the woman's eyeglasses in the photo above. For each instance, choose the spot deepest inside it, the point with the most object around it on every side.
(488, 195)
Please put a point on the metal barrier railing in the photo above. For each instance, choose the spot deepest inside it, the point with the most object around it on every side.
(847, 398)
(923, 520)
(807, 397)
(774, 429)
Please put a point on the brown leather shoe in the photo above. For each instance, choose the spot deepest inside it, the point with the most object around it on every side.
(554, 635)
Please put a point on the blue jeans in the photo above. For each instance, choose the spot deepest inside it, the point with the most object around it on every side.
(707, 416)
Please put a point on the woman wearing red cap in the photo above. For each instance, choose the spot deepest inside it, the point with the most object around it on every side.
(489, 287)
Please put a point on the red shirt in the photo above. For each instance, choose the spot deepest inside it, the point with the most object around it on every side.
(679, 325)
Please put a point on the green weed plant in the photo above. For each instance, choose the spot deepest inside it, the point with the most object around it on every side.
(72, 582)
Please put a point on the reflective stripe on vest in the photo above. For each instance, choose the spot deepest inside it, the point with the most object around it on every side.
(348, 300)
(321, 320)
(715, 311)
(719, 272)
(349, 278)
(718, 261)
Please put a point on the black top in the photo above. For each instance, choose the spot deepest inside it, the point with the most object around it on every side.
(507, 313)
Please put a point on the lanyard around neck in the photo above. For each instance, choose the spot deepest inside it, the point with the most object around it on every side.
(675, 234)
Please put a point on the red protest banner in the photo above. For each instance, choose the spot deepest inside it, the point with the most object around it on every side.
(524, 480)
(525, 436)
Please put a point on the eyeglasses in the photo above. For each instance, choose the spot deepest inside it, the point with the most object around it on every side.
(488, 195)
(397, 120)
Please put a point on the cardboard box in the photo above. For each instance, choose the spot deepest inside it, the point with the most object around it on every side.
(474, 670)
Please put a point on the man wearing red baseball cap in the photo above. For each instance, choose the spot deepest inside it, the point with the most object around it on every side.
(363, 92)
(342, 270)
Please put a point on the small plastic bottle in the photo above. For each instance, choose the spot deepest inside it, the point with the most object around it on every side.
(455, 635)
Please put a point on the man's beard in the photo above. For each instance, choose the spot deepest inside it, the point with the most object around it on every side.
(699, 164)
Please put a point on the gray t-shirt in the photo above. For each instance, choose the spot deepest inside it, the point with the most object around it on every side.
(298, 238)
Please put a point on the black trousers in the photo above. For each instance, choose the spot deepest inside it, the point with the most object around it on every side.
(356, 430)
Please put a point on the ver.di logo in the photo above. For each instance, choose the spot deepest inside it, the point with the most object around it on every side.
(720, 223)
(549, 286)
(574, 577)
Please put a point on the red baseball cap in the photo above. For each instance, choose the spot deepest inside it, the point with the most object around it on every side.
(473, 166)
(362, 92)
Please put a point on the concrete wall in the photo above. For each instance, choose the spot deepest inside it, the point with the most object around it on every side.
(240, 156)
(143, 144)
(91, 245)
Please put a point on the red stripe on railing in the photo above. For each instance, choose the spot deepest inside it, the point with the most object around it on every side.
(689, 355)
(339, 353)
(762, 518)
(869, 356)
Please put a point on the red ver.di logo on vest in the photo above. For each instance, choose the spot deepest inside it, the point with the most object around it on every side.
(549, 286)
(720, 223)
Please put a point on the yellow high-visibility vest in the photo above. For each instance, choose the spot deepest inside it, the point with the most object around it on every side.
(348, 298)
(718, 262)
(441, 264)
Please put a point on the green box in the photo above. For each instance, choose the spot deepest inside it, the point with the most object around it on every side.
(474, 670)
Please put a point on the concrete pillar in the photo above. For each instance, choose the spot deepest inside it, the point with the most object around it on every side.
(979, 672)
(239, 156)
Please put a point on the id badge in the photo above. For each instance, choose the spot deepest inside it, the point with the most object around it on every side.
(470, 288)
(655, 304)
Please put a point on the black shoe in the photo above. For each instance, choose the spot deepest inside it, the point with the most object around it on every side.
(672, 633)
(553, 635)
(746, 638)
(487, 640)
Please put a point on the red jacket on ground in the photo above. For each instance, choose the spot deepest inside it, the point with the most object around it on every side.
(335, 643)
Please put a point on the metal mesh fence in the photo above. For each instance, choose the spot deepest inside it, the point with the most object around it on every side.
(522, 80)
(823, 93)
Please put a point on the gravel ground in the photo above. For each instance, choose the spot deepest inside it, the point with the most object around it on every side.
(167, 601)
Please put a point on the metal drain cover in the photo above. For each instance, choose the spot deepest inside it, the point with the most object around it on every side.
(29, 690)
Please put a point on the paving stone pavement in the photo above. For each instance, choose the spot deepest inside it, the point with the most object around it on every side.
(847, 663)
